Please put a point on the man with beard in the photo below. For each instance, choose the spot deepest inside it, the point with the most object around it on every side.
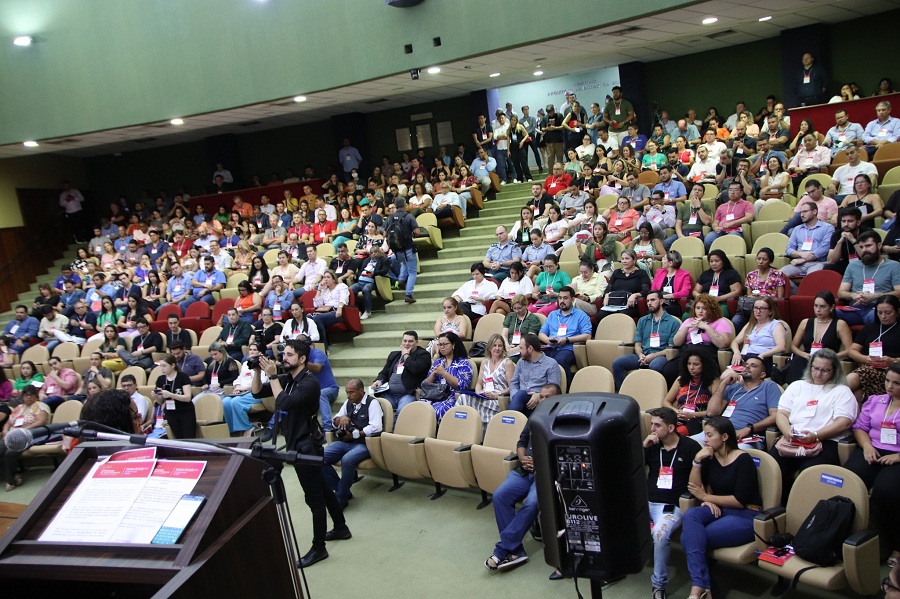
(748, 399)
(843, 241)
(866, 280)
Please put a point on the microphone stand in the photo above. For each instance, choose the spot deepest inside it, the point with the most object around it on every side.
(273, 459)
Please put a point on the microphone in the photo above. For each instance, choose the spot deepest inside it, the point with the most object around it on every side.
(20, 439)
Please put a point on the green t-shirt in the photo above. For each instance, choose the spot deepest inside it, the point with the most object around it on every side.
(21, 383)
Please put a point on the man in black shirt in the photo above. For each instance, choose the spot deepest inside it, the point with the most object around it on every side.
(668, 456)
(843, 240)
(297, 407)
(404, 370)
(143, 346)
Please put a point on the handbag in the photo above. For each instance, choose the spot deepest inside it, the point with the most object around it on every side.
(435, 392)
(478, 349)
(745, 305)
(788, 449)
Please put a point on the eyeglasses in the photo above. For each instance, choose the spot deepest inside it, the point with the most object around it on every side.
(823, 371)
(760, 308)
(443, 344)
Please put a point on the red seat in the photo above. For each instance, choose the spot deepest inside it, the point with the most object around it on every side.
(813, 283)
(198, 325)
(222, 306)
(159, 326)
(168, 309)
(350, 314)
(198, 310)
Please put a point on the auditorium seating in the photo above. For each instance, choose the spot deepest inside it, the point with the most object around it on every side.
(448, 457)
(403, 449)
(494, 458)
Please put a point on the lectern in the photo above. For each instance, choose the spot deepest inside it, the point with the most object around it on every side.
(233, 544)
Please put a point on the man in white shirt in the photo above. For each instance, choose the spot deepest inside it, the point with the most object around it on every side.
(713, 146)
(501, 138)
(330, 211)
(704, 168)
(444, 200)
(842, 179)
(222, 258)
(731, 121)
(811, 158)
(223, 172)
(311, 271)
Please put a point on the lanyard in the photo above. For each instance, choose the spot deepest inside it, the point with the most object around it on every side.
(882, 331)
(672, 463)
(874, 273)
(746, 393)
(687, 399)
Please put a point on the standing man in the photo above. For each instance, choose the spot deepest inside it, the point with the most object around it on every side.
(399, 230)
(360, 417)
(564, 327)
(501, 147)
(501, 255)
(483, 135)
(296, 411)
(71, 201)
(617, 114)
(810, 82)
(350, 158)
(553, 136)
(655, 332)
(668, 456)
(530, 124)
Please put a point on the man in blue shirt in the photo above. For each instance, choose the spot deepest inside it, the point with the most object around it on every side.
(349, 158)
(482, 167)
(205, 282)
(655, 332)
(178, 286)
(749, 400)
(564, 327)
(501, 255)
(67, 273)
(672, 190)
(809, 244)
(69, 297)
(18, 331)
(95, 294)
(883, 130)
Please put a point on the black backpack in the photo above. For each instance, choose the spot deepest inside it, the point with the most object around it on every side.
(822, 534)
(398, 237)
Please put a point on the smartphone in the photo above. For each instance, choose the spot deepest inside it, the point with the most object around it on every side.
(669, 509)
(178, 520)
(738, 368)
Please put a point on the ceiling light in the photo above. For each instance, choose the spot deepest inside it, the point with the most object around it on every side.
(23, 40)
(177, 121)
(538, 73)
(768, 18)
(495, 74)
(299, 98)
(710, 20)
(30, 144)
(434, 70)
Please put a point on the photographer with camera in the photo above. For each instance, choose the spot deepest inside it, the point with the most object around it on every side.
(359, 417)
(296, 412)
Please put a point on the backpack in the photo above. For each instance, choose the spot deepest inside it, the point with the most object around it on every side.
(398, 237)
(820, 537)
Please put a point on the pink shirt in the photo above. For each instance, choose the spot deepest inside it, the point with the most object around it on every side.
(721, 326)
(870, 417)
(739, 210)
(827, 206)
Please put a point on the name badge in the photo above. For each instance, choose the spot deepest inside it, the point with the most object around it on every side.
(666, 195)
(654, 339)
(561, 331)
(876, 349)
(689, 407)
(618, 222)
(339, 270)
(729, 409)
(321, 234)
(805, 78)
(177, 287)
(692, 220)
(807, 245)
(488, 385)
(618, 186)
(729, 217)
(889, 433)
(618, 112)
(696, 337)
(536, 210)
(714, 290)
(15, 327)
(868, 286)
(170, 404)
(666, 477)
(20, 421)
(667, 289)
(882, 132)
(656, 218)
(230, 339)
(814, 348)
(516, 338)
(809, 410)
(153, 250)
(400, 368)
(214, 380)
(276, 308)
(548, 289)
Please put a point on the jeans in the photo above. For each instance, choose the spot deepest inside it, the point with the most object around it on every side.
(622, 365)
(236, 411)
(518, 402)
(326, 396)
(792, 222)
(513, 525)
(320, 499)
(398, 402)
(862, 315)
(366, 289)
(501, 156)
(145, 361)
(350, 455)
(409, 264)
(324, 320)
(208, 298)
(664, 526)
(464, 198)
(565, 358)
(702, 531)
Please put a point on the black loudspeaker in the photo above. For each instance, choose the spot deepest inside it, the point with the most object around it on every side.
(591, 485)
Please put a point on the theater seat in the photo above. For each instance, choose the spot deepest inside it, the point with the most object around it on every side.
(449, 457)
(593, 379)
(614, 338)
(495, 458)
(67, 411)
(210, 417)
(403, 449)
(859, 563)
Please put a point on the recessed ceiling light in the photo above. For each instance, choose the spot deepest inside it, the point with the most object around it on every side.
(538, 73)
(30, 144)
(177, 121)
(434, 70)
(767, 18)
(299, 98)
(710, 20)
(23, 40)
(495, 74)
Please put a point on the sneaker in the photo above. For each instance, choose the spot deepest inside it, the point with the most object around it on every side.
(267, 435)
(409, 299)
(511, 561)
(605, 584)
(516, 181)
(491, 563)
(364, 315)
(659, 593)
(502, 182)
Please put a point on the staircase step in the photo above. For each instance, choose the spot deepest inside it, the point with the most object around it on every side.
(456, 274)
(383, 339)
(454, 263)
(431, 305)
(397, 322)
(469, 241)
(434, 290)
(361, 357)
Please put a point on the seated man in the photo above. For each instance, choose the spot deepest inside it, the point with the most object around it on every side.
(811, 159)
(761, 158)
(704, 168)
(564, 327)
(66, 274)
(176, 333)
(557, 183)
(809, 244)
(360, 417)
(97, 372)
(59, 383)
(665, 484)
(238, 404)
(141, 402)
(883, 130)
(572, 202)
(344, 265)
(844, 133)
(730, 215)
(275, 234)
(533, 370)
(178, 287)
(672, 190)
(205, 282)
(828, 208)
(655, 332)
(501, 255)
(98, 291)
(235, 334)
(142, 345)
(52, 328)
(311, 271)
(867, 279)
(658, 214)
(18, 331)
(81, 324)
(70, 296)
(842, 178)
(518, 486)
(749, 399)
(188, 363)
(636, 192)
(403, 372)
(444, 200)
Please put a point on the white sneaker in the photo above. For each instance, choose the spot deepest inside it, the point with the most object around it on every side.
(502, 182)
(364, 316)
(516, 181)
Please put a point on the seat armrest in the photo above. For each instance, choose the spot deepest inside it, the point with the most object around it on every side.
(769, 514)
(511, 458)
(626, 344)
(859, 537)
(373, 435)
(417, 441)
(463, 448)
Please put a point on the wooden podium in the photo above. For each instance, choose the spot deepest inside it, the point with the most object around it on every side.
(233, 548)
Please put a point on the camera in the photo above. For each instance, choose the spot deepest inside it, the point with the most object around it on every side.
(253, 363)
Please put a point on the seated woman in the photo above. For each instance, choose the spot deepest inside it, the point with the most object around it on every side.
(876, 347)
(652, 159)
(548, 284)
(629, 282)
(109, 314)
(582, 226)
(814, 414)
(463, 184)
(136, 309)
(452, 321)
(517, 324)
(647, 247)
(28, 375)
(720, 280)
(520, 233)
(493, 381)
(533, 255)
(451, 368)
(31, 413)
(247, 303)
(329, 303)
(110, 347)
(420, 200)
(374, 265)
(773, 182)
(706, 330)
(622, 221)
(823, 331)
(698, 379)
(588, 286)
(724, 480)
(600, 249)
(154, 292)
(765, 281)
(674, 281)
(370, 239)
(876, 459)
(475, 293)
(763, 336)
(258, 276)
(266, 332)
(221, 370)
(279, 299)
(556, 228)
(515, 284)
(870, 204)
(573, 164)
(243, 257)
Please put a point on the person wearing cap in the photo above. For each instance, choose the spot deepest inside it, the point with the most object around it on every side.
(553, 135)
